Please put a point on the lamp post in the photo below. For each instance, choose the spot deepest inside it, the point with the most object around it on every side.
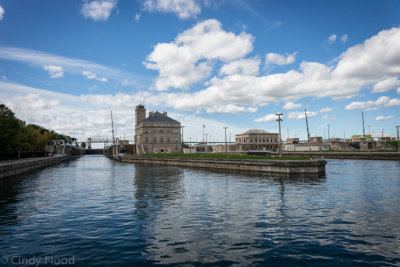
(280, 139)
(182, 133)
(226, 145)
(398, 140)
(329, 137)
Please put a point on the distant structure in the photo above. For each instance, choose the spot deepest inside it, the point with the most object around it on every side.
(256, 139)
(157, 133)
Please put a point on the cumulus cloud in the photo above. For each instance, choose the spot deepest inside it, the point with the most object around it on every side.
(344, 38)
(188, 59)
(98, 10)
(386, 85)
(241, 66)
(278, 59)
(267, 118)
(92, 76)
(54, 71)
(1, 13)
(383, 118)
(291, 105)
(301, 115)
(383, 101)
(182, 8)
(332, 39)
(325, 110)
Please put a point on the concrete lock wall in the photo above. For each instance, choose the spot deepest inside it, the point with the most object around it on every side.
(25, 165)
(272, 166)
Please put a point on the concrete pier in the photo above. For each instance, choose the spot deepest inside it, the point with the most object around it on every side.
(15, 167)
(271, 166)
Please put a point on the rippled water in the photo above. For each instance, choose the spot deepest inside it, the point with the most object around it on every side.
(99, 212)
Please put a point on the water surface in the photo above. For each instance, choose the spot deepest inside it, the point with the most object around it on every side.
(101, 212)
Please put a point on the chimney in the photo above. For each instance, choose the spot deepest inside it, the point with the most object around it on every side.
(151, 114)
(165, 114)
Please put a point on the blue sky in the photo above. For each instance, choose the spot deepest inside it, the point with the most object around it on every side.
(65, 64)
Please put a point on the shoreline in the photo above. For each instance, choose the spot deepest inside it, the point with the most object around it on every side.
(16, 167)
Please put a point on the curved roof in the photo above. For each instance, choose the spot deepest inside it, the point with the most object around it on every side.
(257, 131)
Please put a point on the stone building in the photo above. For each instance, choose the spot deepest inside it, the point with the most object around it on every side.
(157, 133)
(256, 139)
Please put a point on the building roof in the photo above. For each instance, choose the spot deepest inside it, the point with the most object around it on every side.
(159, 117)
(256, 131)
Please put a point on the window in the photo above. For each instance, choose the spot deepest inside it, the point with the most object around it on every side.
(175, 131)
(168, 131)
(176, 139)
(161, 131)
(147, 139)
(161, 139)
(154, 131)
(251, 140)
(154, 139)
(146, 131)
(168, 139)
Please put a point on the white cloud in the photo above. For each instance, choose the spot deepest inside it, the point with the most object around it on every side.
(137, 16)
(72, 65)
(241, 66)
(54, 71)
(326, 117)
(92, 76)
(398, 90)
(383, 118)
(98, 10)
(189, 58)
(344, 38)
(4, 77)
(291, 105)
(267, 118)
(325, 110)
(301, 115)
(383, 101)
(89, 115)
(182, 8)
(278, 59)
(386, 85)
(332, 39)
(1, 13)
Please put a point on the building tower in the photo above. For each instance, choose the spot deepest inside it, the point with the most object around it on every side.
(140, 115)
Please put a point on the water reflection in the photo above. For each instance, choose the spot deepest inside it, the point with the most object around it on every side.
(111, 213)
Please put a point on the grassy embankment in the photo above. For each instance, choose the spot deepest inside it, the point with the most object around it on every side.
(219, 156)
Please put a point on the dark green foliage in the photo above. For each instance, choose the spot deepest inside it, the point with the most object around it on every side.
(15, 134)
(393, 143)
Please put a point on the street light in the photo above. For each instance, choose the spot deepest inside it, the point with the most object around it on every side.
(280, 139)
(182, 133)
(398, 140)
(226, 145)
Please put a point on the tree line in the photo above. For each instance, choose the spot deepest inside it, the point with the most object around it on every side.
(15, 135)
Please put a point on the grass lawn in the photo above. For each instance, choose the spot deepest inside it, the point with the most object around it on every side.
(218, 156)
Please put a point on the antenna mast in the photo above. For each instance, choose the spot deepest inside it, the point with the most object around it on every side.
(112, 127)
(362, 113)
(308, 132)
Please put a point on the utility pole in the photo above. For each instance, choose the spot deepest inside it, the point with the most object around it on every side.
(362, 113)
(329, 137)
(398, 140)
(226, 145)
(205, 148)
(369, 129)
(203, 132)
(182, 134)
(280, 139)
(308, 132)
